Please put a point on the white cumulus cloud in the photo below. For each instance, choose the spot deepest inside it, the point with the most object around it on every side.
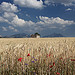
(68, 9)
(64, 2)
(12, 28)
(30, 3)
(8, 15)
(8, 7)
(54, 22)
(17, 22)
(13, 20)
(3, 20)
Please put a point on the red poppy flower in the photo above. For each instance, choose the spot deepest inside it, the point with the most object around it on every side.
(28, 54)
(72, 59)
(19, 59)
(58, 73)
(51, 66)
(49, 55)
(53, 63)
(61, 58)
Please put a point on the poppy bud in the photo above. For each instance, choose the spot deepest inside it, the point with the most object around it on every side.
(49, 55)
(53, 63)
(58, 73)
(28, 54)
(61, 58)
(51, 66)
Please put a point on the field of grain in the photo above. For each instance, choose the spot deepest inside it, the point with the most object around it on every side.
(38, 56)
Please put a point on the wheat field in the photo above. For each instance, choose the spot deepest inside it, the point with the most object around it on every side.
(47, 56)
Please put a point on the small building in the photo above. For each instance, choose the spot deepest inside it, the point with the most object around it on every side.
(32, 36)
(37, 36)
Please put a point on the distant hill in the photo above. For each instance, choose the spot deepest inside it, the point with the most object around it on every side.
(24, 35)
(21, 35)
(0, 36)
(54, 35)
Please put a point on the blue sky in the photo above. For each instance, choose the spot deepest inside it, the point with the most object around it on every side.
(42, 16)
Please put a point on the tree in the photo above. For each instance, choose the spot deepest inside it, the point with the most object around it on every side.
(36, 34)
